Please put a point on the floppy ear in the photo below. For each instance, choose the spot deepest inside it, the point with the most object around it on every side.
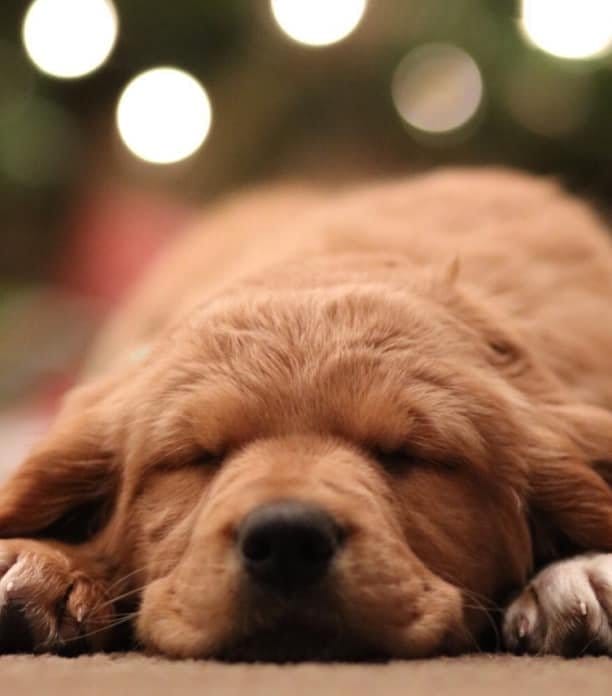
(60, 488)
(569, 448)
(572, 490)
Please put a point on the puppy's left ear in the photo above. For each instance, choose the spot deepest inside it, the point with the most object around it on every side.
(571, 485)
(62, 486)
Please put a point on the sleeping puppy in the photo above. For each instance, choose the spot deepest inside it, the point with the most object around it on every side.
(336, 427)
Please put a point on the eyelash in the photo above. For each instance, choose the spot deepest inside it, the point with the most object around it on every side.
(394, 460)
(400, 460)
(208, 459)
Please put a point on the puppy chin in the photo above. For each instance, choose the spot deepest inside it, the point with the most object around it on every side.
(294, 638)
(256, 628)
(294, 641)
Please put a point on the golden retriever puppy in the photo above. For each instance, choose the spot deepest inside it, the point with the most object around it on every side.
(336, 427)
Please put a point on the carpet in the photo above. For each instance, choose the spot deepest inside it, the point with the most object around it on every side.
(132, 675)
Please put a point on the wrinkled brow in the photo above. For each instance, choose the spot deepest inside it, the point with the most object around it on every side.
(424, 420)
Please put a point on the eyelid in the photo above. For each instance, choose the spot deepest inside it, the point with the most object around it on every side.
(393, 458)
(404, 459)
(209, 458)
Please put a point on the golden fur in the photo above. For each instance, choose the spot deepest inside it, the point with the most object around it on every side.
(429, 361)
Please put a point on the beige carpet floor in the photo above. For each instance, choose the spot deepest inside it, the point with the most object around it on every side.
(474, 676)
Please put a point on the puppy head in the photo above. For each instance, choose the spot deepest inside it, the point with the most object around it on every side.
(315, 474)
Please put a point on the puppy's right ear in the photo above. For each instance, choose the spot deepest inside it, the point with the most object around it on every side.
(572, 487)
(70, 475)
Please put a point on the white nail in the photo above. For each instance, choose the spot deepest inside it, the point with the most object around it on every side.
(10, 586)
(80, 614)
(583, 608)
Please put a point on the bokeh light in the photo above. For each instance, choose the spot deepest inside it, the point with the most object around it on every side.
(318, 22)
(164, 115)
(569, 28)
(437, 88)
(70, 38)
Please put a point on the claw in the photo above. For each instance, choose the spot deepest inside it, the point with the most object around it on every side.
(583, 608)
(523, 626)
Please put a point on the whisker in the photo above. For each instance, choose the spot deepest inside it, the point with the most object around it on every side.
(478, 606)
(107, 627)
(482, 599)
(481, 603)
(117, 598)
(109, 600)
(124, 578)
(122, 615)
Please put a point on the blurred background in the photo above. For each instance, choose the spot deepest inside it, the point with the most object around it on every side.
(120, 118)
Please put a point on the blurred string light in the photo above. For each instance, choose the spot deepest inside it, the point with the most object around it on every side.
(569, 28)
(164, 115)
(437, 88)
(318, 22)
(70, 38)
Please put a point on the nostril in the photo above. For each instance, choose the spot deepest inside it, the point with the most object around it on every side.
(256, 548)
(315, 548)
(287, 544)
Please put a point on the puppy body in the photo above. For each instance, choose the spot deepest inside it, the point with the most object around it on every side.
(427, 363)
(540, 259)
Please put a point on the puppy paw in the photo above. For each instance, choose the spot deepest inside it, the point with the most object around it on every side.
(48, 603)
(565, 610)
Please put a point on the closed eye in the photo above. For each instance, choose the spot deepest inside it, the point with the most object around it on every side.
(208, 459)
(199, 459)
(395, 460)
(401, 461)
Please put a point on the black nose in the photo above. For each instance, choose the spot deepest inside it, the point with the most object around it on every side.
(288, 545)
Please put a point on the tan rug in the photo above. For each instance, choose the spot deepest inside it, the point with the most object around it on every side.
(134, 675)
